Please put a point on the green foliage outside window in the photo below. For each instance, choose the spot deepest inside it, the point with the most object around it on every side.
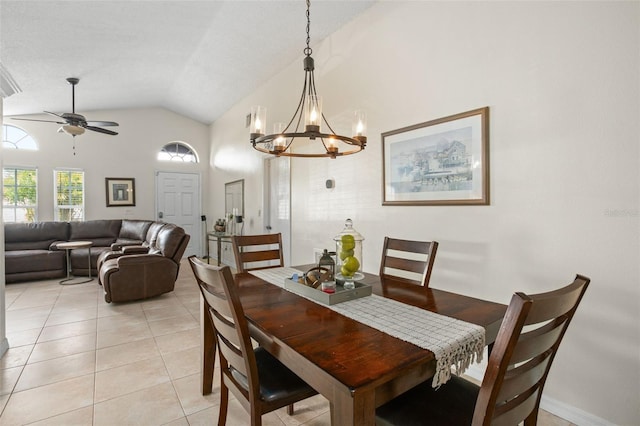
(69, 195)
(19, 195)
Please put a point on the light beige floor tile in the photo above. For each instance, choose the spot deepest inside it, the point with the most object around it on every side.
(113, 309)
(26, 300)
(56, 370)
(178, 341)
(190, 393)
(165, 312)
(3, 402)
(305, 411)
(182, 363)
(15, 357)
(548, 419)
(206, 417)
(8, 379)
(21, 338)
(154, 405)
(81, 417)
(126, 353)
(125, 334)
(166, 300)
(16, 325)
(62, 331)
(323, 419)
(180, 422)
(121, 320)
(173, 325)
(130, 378)
(72, 316)
(50, 400)
(22, 314)
(63, 347)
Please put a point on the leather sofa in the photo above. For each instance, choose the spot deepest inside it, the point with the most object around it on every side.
(31, 252)
(126, 277)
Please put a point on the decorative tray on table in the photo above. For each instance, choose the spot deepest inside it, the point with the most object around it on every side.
(341, 294)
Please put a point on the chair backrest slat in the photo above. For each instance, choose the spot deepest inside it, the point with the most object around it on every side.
(409, 261)
(519, 363)
(257, 251)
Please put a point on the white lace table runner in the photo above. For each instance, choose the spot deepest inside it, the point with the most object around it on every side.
(453, 342)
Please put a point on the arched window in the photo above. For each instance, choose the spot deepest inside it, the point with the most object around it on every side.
(16, 138)
(178, 151)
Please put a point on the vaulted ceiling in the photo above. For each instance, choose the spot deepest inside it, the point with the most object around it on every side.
(196, 58)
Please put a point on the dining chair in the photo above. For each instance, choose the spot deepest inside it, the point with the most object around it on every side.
(409, 261)
(257, 251)
(259, 381)
(510, 393)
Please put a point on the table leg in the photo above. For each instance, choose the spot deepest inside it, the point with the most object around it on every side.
(219, 249)
(68, 256)
(357, 410)
(208, 241)
(208, 347)
(89, 258)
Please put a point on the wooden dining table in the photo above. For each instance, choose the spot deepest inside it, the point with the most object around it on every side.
(356, 367)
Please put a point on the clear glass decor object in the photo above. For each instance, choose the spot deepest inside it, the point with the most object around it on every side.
(349, 255)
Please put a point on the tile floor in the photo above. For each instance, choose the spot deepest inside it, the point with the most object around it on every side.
(76, 360)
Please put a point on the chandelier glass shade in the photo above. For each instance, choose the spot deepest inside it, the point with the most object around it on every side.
(307, 123)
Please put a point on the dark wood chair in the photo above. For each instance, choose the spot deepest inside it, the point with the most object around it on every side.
(409, 261)
(257, 251)
(517, 370)
(259, 382)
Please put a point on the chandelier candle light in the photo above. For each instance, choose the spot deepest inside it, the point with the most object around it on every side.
(310, 106)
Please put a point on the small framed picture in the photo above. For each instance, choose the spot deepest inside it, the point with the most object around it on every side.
(440, 162)
(120, 192)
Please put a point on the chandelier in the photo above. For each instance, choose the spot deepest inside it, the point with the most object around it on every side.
(308, 113)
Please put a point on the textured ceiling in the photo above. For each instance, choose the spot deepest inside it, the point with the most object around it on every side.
(196, 58)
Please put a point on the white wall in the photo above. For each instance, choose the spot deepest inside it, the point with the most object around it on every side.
(561, 80)
(132, 153)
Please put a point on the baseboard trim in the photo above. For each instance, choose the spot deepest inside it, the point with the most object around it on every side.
(551, 405)
(4, 346)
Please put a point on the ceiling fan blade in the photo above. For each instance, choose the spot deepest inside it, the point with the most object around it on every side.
(33, 119)
(102, 123)
(98, 129)
(54, 114)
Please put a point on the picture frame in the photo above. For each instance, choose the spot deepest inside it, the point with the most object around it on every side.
(120, 192)
(440, 162)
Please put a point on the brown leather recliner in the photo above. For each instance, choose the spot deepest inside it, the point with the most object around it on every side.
(118, 249)
(140, 276)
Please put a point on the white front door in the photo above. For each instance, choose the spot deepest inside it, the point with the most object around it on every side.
(277, 201)
(178, 202)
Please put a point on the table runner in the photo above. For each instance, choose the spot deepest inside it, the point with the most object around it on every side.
(452, 341)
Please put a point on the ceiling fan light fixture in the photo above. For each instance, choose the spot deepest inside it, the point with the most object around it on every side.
(306, 123)
(71, 130)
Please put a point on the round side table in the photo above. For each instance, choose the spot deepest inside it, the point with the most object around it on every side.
(68, 247)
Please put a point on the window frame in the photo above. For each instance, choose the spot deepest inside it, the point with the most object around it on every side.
(16, 144)
(16, 186)
(176, 157)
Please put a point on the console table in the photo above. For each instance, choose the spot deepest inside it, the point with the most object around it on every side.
(219, 238)
(68, 246)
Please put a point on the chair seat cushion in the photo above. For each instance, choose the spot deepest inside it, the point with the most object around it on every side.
(450, 405)
(276, 381)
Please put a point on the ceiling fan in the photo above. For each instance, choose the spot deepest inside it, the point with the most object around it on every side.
(75, 124)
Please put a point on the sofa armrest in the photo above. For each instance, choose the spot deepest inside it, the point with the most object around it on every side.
(135, 250)
(54, 245)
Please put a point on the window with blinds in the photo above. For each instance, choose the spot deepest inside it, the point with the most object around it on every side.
(69, 192)
(19, 194)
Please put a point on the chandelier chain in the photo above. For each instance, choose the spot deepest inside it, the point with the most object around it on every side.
(307, 50)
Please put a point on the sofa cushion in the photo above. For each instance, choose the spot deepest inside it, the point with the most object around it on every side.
(134, 229)
(102, 233)
(18, 261)
(34, 236)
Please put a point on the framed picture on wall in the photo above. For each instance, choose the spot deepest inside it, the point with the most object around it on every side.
(120, 192)
(439, 162)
